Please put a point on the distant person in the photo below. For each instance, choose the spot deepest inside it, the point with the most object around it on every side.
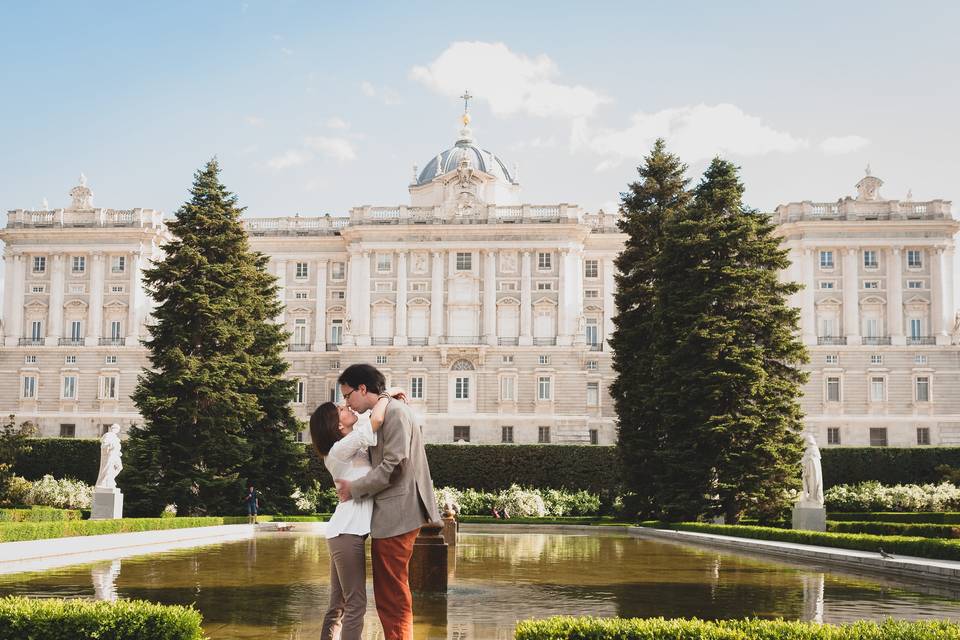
(252, 502)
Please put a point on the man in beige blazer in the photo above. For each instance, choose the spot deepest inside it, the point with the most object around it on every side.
(402, 493)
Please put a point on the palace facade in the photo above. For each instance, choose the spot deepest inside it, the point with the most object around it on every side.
(493, 314)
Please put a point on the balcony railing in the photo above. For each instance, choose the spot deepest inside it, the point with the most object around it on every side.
(30, 342)
(333, 346)
(875, 340)
(418, 342)
(70, 342)
(112, 342)
(544, 342)
(831, 340)
(508, 342)
(381, 342)
(914, 340)
(461, 339)
(298, 346)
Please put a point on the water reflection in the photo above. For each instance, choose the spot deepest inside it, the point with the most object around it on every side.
(276, 586)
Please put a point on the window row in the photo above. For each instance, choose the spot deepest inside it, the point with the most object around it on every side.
(878, 436)
(877, 388)
(107, 387)
(871, 259)
(463, 261)
(68, 360)
(78, 264)
(75, 330)
(338, 270)
(461, 433)
(875, 359)
(829, 285)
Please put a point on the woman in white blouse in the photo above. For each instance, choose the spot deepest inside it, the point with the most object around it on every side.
(341, 437)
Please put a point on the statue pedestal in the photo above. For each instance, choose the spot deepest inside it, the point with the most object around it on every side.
(809, 518)
(428, 565)
(107, 504)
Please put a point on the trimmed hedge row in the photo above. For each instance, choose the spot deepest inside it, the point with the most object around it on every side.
(590, 520)
(17, 531)
(930, 517)
(895, 529)
(62, 458)
(909, 546)
(39, 514)
(567, 628)
(51, 619)
(886, 465)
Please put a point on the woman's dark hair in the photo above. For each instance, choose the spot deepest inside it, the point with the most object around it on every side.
(363, 374)
(325, 428)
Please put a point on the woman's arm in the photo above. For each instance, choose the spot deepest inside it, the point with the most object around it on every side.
(380, 409)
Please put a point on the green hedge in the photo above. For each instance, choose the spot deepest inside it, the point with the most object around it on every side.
(62, 458)
(929, 517)
(895, 529)
(591, 520)
(39, 514)
(565, 628)
(904, 545)
(16, 531)
(887, 465)
(50, 619)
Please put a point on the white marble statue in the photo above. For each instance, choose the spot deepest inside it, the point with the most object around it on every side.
(812, 495)
(110, 464)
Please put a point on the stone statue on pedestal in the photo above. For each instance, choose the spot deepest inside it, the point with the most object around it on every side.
(809, 513)
(110, 465)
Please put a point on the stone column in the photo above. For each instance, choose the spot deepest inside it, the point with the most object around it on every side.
(55, 313)
(851, 297)
(135, 300)
(354, 278)
(15, 284)
(400, 317)
(895, 296)
(320, 308)
(362, 322)
(526, 301)
(490, 297)
(95, 311)
(575, 303)
(438, 276)
(938, 308)
(949, 289)
(808, 314)
(282, 290)
(609, 304)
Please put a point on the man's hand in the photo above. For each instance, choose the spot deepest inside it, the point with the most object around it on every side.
(343, 490)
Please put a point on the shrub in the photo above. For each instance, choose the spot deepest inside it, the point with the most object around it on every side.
(566, 628)
(895, 529)
(77, 458)
(17, 491)
(63, 493)
(934, 517)
(473, 502)
(522, 503)
(448, 496)
(16, 531)
(873, 496)
(50, 619)
(169, 511)
(887, 465)
(38, 514)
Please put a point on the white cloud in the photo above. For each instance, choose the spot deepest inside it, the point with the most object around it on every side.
(254, 121)
(339, 149)
(839, 145)
(385, 94)
(534, 143)
(286, 51)
(510, 82)
(337, 123)
(694, 133)
(289, 159)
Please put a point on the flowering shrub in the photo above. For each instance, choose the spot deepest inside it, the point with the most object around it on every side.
(521, 503)
(448, 496)
(169, 511)
(873, 496)
(315, 499)
(64, 493)
(561, 503)
(17, 490)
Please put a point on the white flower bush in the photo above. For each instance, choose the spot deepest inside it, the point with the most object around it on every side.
(448, 496)
(64, 493)
(521, 503)
(169, 511)
(873, 496)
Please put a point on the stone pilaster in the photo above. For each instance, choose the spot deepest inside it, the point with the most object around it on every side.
(400, 317)
(282, 291)
(95, 311)
(895, 296)
(808, 313)
(490, 297)
(526, 300)
(135, 300)
(55, 312)
(438, 276)
(609, 304)
(320, 307)
(851, 296)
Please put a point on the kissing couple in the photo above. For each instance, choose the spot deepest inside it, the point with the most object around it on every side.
(373, 448)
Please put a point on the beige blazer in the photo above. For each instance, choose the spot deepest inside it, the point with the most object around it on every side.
(399, 482)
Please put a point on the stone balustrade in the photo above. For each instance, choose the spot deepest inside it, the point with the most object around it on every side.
(147, 218)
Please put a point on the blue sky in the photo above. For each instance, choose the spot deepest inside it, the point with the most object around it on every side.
(316, 107)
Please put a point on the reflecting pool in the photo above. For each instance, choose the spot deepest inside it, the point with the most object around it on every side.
(275, 585)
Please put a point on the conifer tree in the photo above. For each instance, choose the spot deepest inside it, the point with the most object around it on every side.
(660, 193)
(214, 402)
(726, 340)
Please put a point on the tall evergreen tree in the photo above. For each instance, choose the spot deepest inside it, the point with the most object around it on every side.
(659, 194)
(215, 403)
(726, 340)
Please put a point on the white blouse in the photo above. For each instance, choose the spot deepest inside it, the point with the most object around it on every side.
(348, 460)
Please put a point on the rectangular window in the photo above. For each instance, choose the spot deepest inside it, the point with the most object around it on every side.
(919, 359)
(335, 395)
(462, 389)
(594, 436)
(591, 293)
(832, 359)
(592, 365)
(383, 286)
(916, 327)
(381, 359)
(38, 288)
(877, 389)
(826, 259)
(923, 435)
(544, 286)
(76, 330)
(833, 435)
(70, 360)
(506, 435)
(507, 359)
(870, 259)
(69, 388)
(300, 295)
(416, 388)
(826, 327)
(116, 288)
(336, 294)
(108, 387)
(68, 431)
(871, 284)
(507, 389)
(118, 264)
(464, 261)
(544, 261)
(878, 436)
(303, 270)
(29, 387)
(508, 286)
(833, 389)
(79, 264)
(36, 330)
(591, 268)
(826, 284)
(39, 264)
(872, 327)
(336, 332)
(543, 435)
(592, 334)
(110, 360)
(115, 329)
(914, 284)
(29, 359)
(914, 258)
(338, 271)
(384, 262)
(418, 358)
(299, 436)
(300, 393)
(300, 331)
(593, 394)
(543, 359)
(876, 359)
(923, 389)
(78, 288)
(461, 434)
(544, 391)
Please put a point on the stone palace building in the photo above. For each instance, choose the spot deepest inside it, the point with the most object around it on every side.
(492, 313)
